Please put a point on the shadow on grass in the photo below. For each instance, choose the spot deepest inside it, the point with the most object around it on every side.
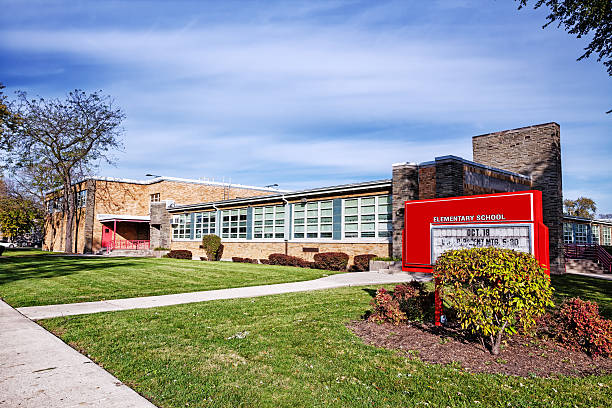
(598, 290)
(17, 268)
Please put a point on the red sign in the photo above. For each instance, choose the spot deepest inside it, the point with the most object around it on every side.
(504, 220)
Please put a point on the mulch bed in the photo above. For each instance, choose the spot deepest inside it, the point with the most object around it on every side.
(520, 356)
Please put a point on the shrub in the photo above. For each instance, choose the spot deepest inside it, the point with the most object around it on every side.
(243, 260)
(408, 301)
(386, 308)
(416, 302)
(161, 249)
(332, 261)
(1, 250)
(386, 258)
(362, 262)
(264, 261)
(578, 324)
(212, 246)
(494, 291)
(179, 254)
(287, 260)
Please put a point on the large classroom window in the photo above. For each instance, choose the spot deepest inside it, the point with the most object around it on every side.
(269, 222)
(204, 223)
(313, 220)
(581, 233)
(181, 226)
(234, 223)
(595, 233)
(606, 235)
(82, 199)
(367, 217)
(568, 233)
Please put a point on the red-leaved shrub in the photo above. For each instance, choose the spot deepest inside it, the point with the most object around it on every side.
(386, 308)
(264, 261)
(179, 254)
(243, 260)
(361, 263)
(287, 260)
(332, 261)
(578, 324)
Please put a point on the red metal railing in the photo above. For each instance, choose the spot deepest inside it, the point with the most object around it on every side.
(593, 252)
(127, 244)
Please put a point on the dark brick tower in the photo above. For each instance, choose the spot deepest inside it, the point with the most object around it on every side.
(533, 151)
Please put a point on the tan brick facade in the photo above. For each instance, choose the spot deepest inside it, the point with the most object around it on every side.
(261, 250)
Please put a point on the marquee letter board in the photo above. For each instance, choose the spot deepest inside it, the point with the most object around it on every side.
(504, 220)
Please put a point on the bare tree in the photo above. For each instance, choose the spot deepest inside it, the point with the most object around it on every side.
(57, 142)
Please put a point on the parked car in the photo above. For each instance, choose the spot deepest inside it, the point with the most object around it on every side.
(7, 244)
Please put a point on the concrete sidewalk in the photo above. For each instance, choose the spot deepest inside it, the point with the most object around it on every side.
(38, 370)
(328, 282)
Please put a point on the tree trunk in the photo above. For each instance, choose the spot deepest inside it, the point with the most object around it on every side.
(496, 340)
(69, 197)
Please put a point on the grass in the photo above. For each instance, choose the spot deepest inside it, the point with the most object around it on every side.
(294, 350)
(31, 278)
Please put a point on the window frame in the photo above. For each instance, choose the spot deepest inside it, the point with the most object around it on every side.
(276, 225)
(318, 224)
(239, 235)
(377, 221)
(205, 218)
(581, 234)
(606, 235)
(184, 221)
(155, 198)
(568, 232)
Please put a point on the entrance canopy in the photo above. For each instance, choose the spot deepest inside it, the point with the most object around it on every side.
(123, 218)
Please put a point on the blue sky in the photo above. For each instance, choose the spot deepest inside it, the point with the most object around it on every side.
(309, 94)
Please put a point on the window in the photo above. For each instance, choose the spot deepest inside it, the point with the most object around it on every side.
(234, 223)
(269, 222)
(595, 233)
(568, 233)
(81, 199)
(155, 198)
(606, 235)
(181, 226)
(313, 220)
(367, 217)
(204, 223)
(581, 233)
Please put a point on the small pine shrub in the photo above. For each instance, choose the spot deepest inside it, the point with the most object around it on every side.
(361, 263)
(179, 254)
(287, 260)
(331, 261)
(386, 308)
(211, 244)
(578, 324)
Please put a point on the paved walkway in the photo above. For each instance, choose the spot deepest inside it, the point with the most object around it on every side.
(39, 370)
(328, 282)
(591, 275)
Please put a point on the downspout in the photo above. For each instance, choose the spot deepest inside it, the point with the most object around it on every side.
(287, 212)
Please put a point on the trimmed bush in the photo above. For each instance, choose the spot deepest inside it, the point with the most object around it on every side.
(361, 263)
(408, 301)
(578, 324)
(161, 249)
(179, 254)
(287, 260)
(264, 261)
(332, 261)
(243, 260)
(212, 246)
(494, 291)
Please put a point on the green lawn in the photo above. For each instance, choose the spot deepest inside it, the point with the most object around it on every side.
(296, 351)
(30, 278)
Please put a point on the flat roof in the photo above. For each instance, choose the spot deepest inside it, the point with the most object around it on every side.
(123, 217)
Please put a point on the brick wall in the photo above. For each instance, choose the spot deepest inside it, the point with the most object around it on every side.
(449, 177)
(479, 180)
(534, 151)
(427, 182)
(193, 193)
(261, 250)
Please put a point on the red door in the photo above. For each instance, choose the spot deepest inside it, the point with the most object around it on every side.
(107, 236)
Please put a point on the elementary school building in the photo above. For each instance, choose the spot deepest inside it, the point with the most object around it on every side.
(360, 218)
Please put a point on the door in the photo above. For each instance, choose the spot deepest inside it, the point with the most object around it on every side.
(107, 236)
